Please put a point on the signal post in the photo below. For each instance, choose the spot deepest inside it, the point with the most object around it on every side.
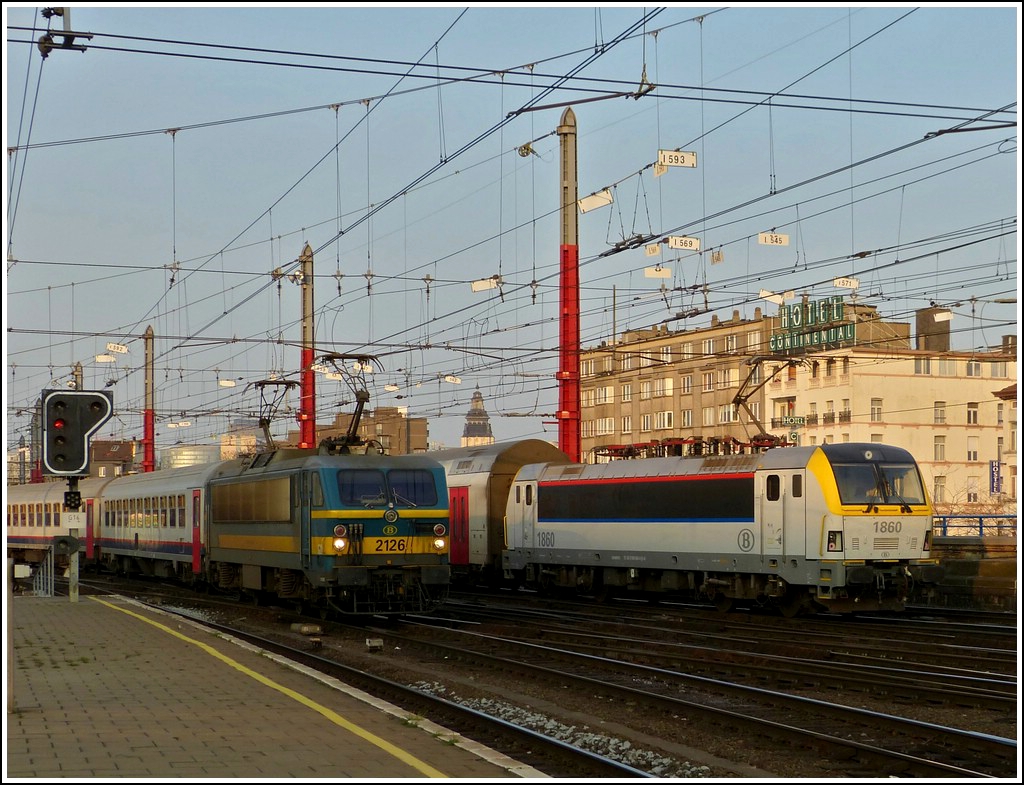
(70, 418)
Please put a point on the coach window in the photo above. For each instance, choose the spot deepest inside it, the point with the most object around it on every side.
(798, 486)
(181, 511)
(529, 495)
(519, 495)
(46, 514)
(772, 487)
(163, 510)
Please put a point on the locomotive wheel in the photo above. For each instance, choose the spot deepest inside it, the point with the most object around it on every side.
(723, 603)
(790, 605)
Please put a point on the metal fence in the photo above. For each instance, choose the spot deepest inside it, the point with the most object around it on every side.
(975, 526)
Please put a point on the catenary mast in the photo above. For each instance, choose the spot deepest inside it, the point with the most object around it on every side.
(569, 297)
(307, 388)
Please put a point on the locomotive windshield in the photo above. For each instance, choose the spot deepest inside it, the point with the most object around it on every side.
(879, 483)
(401, 487)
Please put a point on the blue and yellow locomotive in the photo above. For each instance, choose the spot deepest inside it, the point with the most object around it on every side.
(345, 533)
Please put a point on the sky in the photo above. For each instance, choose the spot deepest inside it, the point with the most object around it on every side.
(170, 175)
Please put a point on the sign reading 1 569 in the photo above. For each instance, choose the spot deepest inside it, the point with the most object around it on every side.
(677, 158)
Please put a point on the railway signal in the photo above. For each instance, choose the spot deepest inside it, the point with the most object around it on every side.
(70, 418)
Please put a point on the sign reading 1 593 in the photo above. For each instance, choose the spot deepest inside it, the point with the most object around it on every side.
(677, 158)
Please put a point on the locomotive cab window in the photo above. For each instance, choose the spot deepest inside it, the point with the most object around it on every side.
(413, 487)
(798, 486)
(317, 491)
(362, 488)
(773, 487)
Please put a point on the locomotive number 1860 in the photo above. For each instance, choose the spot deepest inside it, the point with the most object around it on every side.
(546, 539)
(888, 527)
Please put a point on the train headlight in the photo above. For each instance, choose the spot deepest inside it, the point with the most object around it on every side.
(439, 544)
(439, 529)
(927, 542)
(340, 543)
(835, 541)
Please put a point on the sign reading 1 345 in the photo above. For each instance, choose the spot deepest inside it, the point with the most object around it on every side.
(677, 158)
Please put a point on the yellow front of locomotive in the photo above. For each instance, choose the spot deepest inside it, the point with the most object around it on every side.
(874, 539)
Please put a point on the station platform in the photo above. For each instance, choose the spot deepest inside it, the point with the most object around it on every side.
(106, 688)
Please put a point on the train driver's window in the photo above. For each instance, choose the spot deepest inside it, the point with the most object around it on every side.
(798, 486)
(772, 486)
(519, 494)
(318, 491)
(529, 495)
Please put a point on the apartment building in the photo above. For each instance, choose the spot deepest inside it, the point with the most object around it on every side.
(817, 372)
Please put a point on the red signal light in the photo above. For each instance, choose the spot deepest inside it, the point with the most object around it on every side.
(58, 423)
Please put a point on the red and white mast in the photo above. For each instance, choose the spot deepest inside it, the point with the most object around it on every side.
(569, 297)
(307, 384)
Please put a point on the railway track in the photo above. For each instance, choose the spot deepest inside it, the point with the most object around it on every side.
(567, 665)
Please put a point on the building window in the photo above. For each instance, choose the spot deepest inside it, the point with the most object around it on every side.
(791, 373)
(939, 416)
(603, 395)
(923, 366)
(663, 420)
(686, 416)
(627, 424)
(586, 398)
(708, 414)
(663, 387)
(939, 495)
(626, 361)
(999, 414)
(730, 343)
(754, 341)
(645, 423)
(646, 360)
(972, 489)
(666, 354)
(586, 368)
(645, 390)
(876, 410)
(947, 366)
(972, 449)
(707, 382)
(876, 438)
(627, 393)
(727, 378)
(687, 350)
(102, 471)
(605, 426)
(708, 346)
(687, 384)
(939, 450)
(815, 367)
(727, 413)
(973, 368)
(997, 370)
(972, 414)
(755, 375)
(830, 367)
(755, 410)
